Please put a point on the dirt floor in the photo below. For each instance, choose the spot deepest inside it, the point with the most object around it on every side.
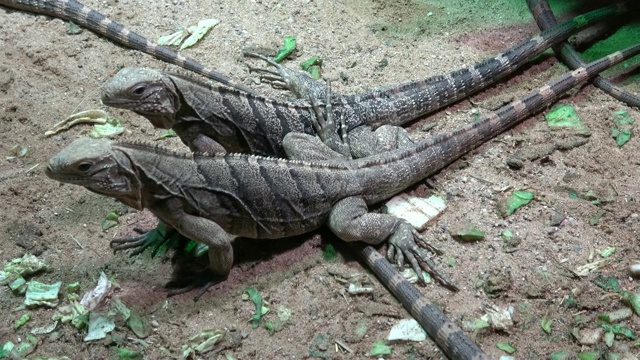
(47, 74)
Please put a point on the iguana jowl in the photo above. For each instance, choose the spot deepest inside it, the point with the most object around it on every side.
(203, 115)
(93, 20)
(213, 198)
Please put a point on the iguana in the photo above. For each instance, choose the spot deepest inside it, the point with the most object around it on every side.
(93, 20)
(204, 115)
(567, 53)
(214, 198)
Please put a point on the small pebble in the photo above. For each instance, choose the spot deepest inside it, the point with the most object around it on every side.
(634, 271)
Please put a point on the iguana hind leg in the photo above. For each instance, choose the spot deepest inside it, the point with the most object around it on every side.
(351, 220)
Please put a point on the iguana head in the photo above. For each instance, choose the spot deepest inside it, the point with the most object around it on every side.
(96, 165)
(147, 92)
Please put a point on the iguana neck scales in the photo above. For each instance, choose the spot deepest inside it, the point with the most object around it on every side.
(93, 20)
(204, 115)
(213, 198)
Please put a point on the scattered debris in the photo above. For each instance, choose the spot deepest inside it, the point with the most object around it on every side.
(201, 343)
(99, 326)
(287, 49)
(18, 151)
(408, 330)
(510, 241)
(21, 267)
(588, 336)
(94, 298)
(413, 278)
(42, 294)
(97, 117)
(616, 316)
(586, 269)
(417, 211)
(634, 270)
(188, 36)
(284, 315)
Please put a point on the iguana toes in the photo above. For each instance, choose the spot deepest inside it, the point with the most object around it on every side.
(93, 20)
(203, 114)
(436, 92)
(212, 199)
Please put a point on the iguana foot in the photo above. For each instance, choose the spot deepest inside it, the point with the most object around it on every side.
(160, 239)
(203, 281)
(301, 84)
(334, 136)
(403, 245)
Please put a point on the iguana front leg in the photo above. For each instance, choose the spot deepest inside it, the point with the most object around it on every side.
(207, 232)
(160, 239)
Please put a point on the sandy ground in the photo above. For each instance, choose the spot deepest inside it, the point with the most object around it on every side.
(47, 74)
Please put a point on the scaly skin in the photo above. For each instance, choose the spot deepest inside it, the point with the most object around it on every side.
(571, 57)
(214, 198)
(100, 24)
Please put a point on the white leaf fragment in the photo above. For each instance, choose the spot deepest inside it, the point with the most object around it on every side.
(407, 329)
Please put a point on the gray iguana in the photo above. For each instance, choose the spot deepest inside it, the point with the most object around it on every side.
(214, 198)
(205, 115)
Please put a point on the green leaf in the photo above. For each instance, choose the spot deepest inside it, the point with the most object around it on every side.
(565, 116)
(560, 355)
(631, 299)
(329, 253)
(286, 49)
(515, 201)
(312, 66)
(468, 232)
(256, 298)
(607, 252)
(506, 347)
(380, 348)
(128, 354)
(607, 283)
(139, 325)
(167, 134)
(589, 355)
(198, 31)
(619, 330)
(623, 129)
(546, 323)
(21, 321)
(573, 194)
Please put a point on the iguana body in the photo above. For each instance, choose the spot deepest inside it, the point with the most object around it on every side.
(212, 199)
(204, 115)
(93, 20)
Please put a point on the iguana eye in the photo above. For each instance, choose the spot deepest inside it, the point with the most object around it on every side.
(84, 167)
(138, 90)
